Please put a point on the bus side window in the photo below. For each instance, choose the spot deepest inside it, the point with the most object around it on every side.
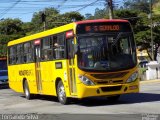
(12, 55)
(47, 49)
(19, 56)
(54, 40)
(70, 48)
(27, 52)
(58, 46)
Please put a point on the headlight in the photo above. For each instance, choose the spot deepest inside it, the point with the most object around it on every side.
(85, 80)
(133, 77)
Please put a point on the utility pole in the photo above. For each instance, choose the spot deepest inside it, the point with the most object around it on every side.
(43, 18)
(110, 5)
(151, 30)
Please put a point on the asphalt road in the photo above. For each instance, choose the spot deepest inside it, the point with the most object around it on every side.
(141, 106)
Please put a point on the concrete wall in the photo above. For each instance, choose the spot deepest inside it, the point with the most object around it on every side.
(153, 70)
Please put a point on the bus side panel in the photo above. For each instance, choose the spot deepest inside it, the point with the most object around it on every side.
(64, 74)
(18, 73)
(47, 78)
(30, 76)
(13, 78)
(50, 71)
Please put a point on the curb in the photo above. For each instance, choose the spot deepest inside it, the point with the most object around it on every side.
(150, 81)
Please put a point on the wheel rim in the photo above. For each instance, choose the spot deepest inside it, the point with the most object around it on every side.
(26, 91)
(61, 92)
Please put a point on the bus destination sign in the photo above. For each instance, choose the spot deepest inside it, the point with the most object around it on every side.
(103, 27)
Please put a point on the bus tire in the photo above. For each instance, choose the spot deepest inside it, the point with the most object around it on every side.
(113, 98)
(61, 94)
(26, 90)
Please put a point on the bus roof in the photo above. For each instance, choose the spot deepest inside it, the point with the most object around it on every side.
(58, 30)
(43, 34)
(101, 20)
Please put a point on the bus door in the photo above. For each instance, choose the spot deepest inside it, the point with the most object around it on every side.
(37, 65)
(71, 63)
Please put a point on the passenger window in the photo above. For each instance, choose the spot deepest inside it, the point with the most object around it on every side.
(19, 56)
(28, 54)
(12, 55)
(58, 46)
(47, 49)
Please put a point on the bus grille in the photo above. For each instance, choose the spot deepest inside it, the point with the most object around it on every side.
(107, 82)
(110, 89)
(110, 75)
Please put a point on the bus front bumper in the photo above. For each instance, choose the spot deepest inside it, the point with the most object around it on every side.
(107, 90)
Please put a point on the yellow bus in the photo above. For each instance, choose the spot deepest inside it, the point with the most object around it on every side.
(78, 60)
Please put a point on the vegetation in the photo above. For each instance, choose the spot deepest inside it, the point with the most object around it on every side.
(11, 29)
(136, 11)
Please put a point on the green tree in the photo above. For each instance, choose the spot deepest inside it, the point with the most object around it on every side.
(100, 13)
(36, 22)
(28, 28)
(10, 29)
(72, 16)
(65, 18)
(139, 5)
(156, 7)
(53, 19)
(129, 15)
(142, 28)
(11, 26)
(89, 16)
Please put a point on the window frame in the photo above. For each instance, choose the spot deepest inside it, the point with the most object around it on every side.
(23, 53)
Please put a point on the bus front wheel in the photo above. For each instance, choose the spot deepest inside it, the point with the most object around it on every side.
(26, 90)
(61, 94)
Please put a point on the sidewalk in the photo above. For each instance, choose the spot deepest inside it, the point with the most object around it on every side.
(150, 81)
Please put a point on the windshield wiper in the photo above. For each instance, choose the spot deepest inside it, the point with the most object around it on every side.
(117, 38)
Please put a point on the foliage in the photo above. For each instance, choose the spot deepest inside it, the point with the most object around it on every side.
(72, 16)
(156, 7)
(10, 29)
(131, 16)
(99, 14)
(10, 26)
(37, 23)
(89, 16)
(139, 5)
(142, 28)
(53, 19)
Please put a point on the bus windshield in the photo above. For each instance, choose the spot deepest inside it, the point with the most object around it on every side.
(106, 52)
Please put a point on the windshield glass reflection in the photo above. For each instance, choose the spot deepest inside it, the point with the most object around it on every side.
(106, 52)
